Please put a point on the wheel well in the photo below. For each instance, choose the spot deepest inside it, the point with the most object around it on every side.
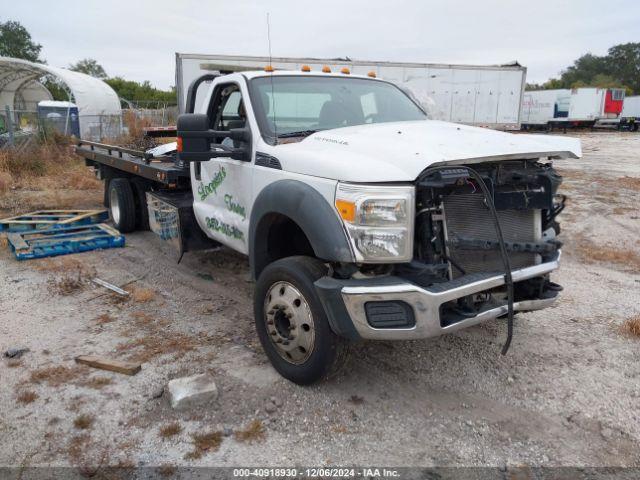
(277, 236)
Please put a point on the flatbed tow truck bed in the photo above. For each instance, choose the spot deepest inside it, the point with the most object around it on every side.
(163, 169)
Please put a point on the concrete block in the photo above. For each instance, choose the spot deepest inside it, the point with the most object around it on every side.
(187, 392)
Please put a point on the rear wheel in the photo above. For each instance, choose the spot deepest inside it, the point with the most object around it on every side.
(291, 322)
(122, 207)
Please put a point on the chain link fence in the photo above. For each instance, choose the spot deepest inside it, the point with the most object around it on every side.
(20, 124)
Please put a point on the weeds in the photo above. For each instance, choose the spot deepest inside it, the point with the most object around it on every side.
(203, 443)
(170, 430)
(55, 376)
(253, 433)
(591, 252)
(27, 397)
(153, 344)
(142, 295)
(83, 421)
(104, 318)
(14, 363)
(632, 326)
(75, 275)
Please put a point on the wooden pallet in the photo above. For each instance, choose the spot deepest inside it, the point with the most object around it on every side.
(63, 240)
(52, 219)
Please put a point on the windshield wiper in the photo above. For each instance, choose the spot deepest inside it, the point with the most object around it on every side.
(301, 133)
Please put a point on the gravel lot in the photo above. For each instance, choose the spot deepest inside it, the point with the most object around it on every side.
(567, 393)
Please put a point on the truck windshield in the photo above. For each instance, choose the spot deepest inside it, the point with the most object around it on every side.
(294, 106)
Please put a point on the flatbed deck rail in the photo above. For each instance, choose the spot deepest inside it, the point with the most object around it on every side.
(161, 169)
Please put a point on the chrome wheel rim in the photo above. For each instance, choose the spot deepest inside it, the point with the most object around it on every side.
(289, 322)
(114, 205)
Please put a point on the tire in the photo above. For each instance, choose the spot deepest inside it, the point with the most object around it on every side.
(122, 207)
(285, 297)
(140, 188)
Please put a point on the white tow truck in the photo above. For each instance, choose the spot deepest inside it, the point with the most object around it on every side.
(362, 219)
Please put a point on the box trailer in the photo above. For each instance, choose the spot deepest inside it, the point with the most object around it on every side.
(578, 107)
(539, 107)
(630, 115)
(480, 95)
(591, 106)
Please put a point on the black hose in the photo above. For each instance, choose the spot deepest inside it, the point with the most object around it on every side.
(508, 279)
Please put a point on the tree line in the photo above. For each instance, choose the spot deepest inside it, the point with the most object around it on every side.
(619, 68)
(16, 42)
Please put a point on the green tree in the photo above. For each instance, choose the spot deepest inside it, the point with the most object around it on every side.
(141, 92)
(90, 67)
(623, 62)
(619, 68)
(16, 42)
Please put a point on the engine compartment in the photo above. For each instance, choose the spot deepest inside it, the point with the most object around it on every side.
(456, 239)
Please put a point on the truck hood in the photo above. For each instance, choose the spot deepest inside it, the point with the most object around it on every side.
(400, 151)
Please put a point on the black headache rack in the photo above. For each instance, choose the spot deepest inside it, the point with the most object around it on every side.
(162, 169)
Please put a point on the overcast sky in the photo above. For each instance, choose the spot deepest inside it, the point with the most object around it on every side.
(137, 39)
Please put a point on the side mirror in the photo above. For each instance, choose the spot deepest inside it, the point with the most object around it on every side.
(197, 143)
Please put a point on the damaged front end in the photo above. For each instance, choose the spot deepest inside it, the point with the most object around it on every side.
(456, 238)
(458, 276)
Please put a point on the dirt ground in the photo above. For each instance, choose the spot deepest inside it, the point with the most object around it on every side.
(567, 393)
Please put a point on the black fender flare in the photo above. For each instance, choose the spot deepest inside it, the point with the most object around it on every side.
(309, 210)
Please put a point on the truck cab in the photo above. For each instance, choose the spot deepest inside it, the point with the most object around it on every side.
(363, 219)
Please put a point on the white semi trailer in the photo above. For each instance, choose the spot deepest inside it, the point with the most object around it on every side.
(539, 107)
(578, 107)
(487, 95)
(630, 116)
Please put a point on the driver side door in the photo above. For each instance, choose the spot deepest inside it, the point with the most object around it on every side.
(222, 186)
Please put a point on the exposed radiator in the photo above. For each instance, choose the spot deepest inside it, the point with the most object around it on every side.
(466, 216)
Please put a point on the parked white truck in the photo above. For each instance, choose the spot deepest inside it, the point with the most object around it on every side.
(362, 219)
(480, 95)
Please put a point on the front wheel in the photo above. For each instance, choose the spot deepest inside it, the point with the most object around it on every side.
(291, 322)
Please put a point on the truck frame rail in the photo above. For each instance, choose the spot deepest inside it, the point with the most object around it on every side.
(162, 169)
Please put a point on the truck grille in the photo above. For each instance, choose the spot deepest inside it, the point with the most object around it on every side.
(467, 217)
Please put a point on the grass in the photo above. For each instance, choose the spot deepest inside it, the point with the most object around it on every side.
(73, 274)
(55, 376)
(254, 432)
(170, 430)
(142, 295)
(104, 318)
(27, 397)
(155, 344)
(591, 252)
(83, 421)
(632, 326)
(203, 443)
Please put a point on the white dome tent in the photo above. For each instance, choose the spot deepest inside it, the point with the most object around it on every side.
(98, 104)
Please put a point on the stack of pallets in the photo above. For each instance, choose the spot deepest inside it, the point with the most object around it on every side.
(47, 233)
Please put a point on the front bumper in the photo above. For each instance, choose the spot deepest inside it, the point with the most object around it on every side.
(345, 302)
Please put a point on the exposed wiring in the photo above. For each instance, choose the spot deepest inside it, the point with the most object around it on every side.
(508, 279)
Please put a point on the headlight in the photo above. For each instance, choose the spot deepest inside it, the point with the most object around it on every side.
(379, 221)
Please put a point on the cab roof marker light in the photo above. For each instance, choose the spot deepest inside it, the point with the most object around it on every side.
(306, 68)
(345, 71)
(268, 68)
(326, 69)
(371, 74)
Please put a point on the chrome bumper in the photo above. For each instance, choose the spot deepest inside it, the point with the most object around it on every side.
(426, 304)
